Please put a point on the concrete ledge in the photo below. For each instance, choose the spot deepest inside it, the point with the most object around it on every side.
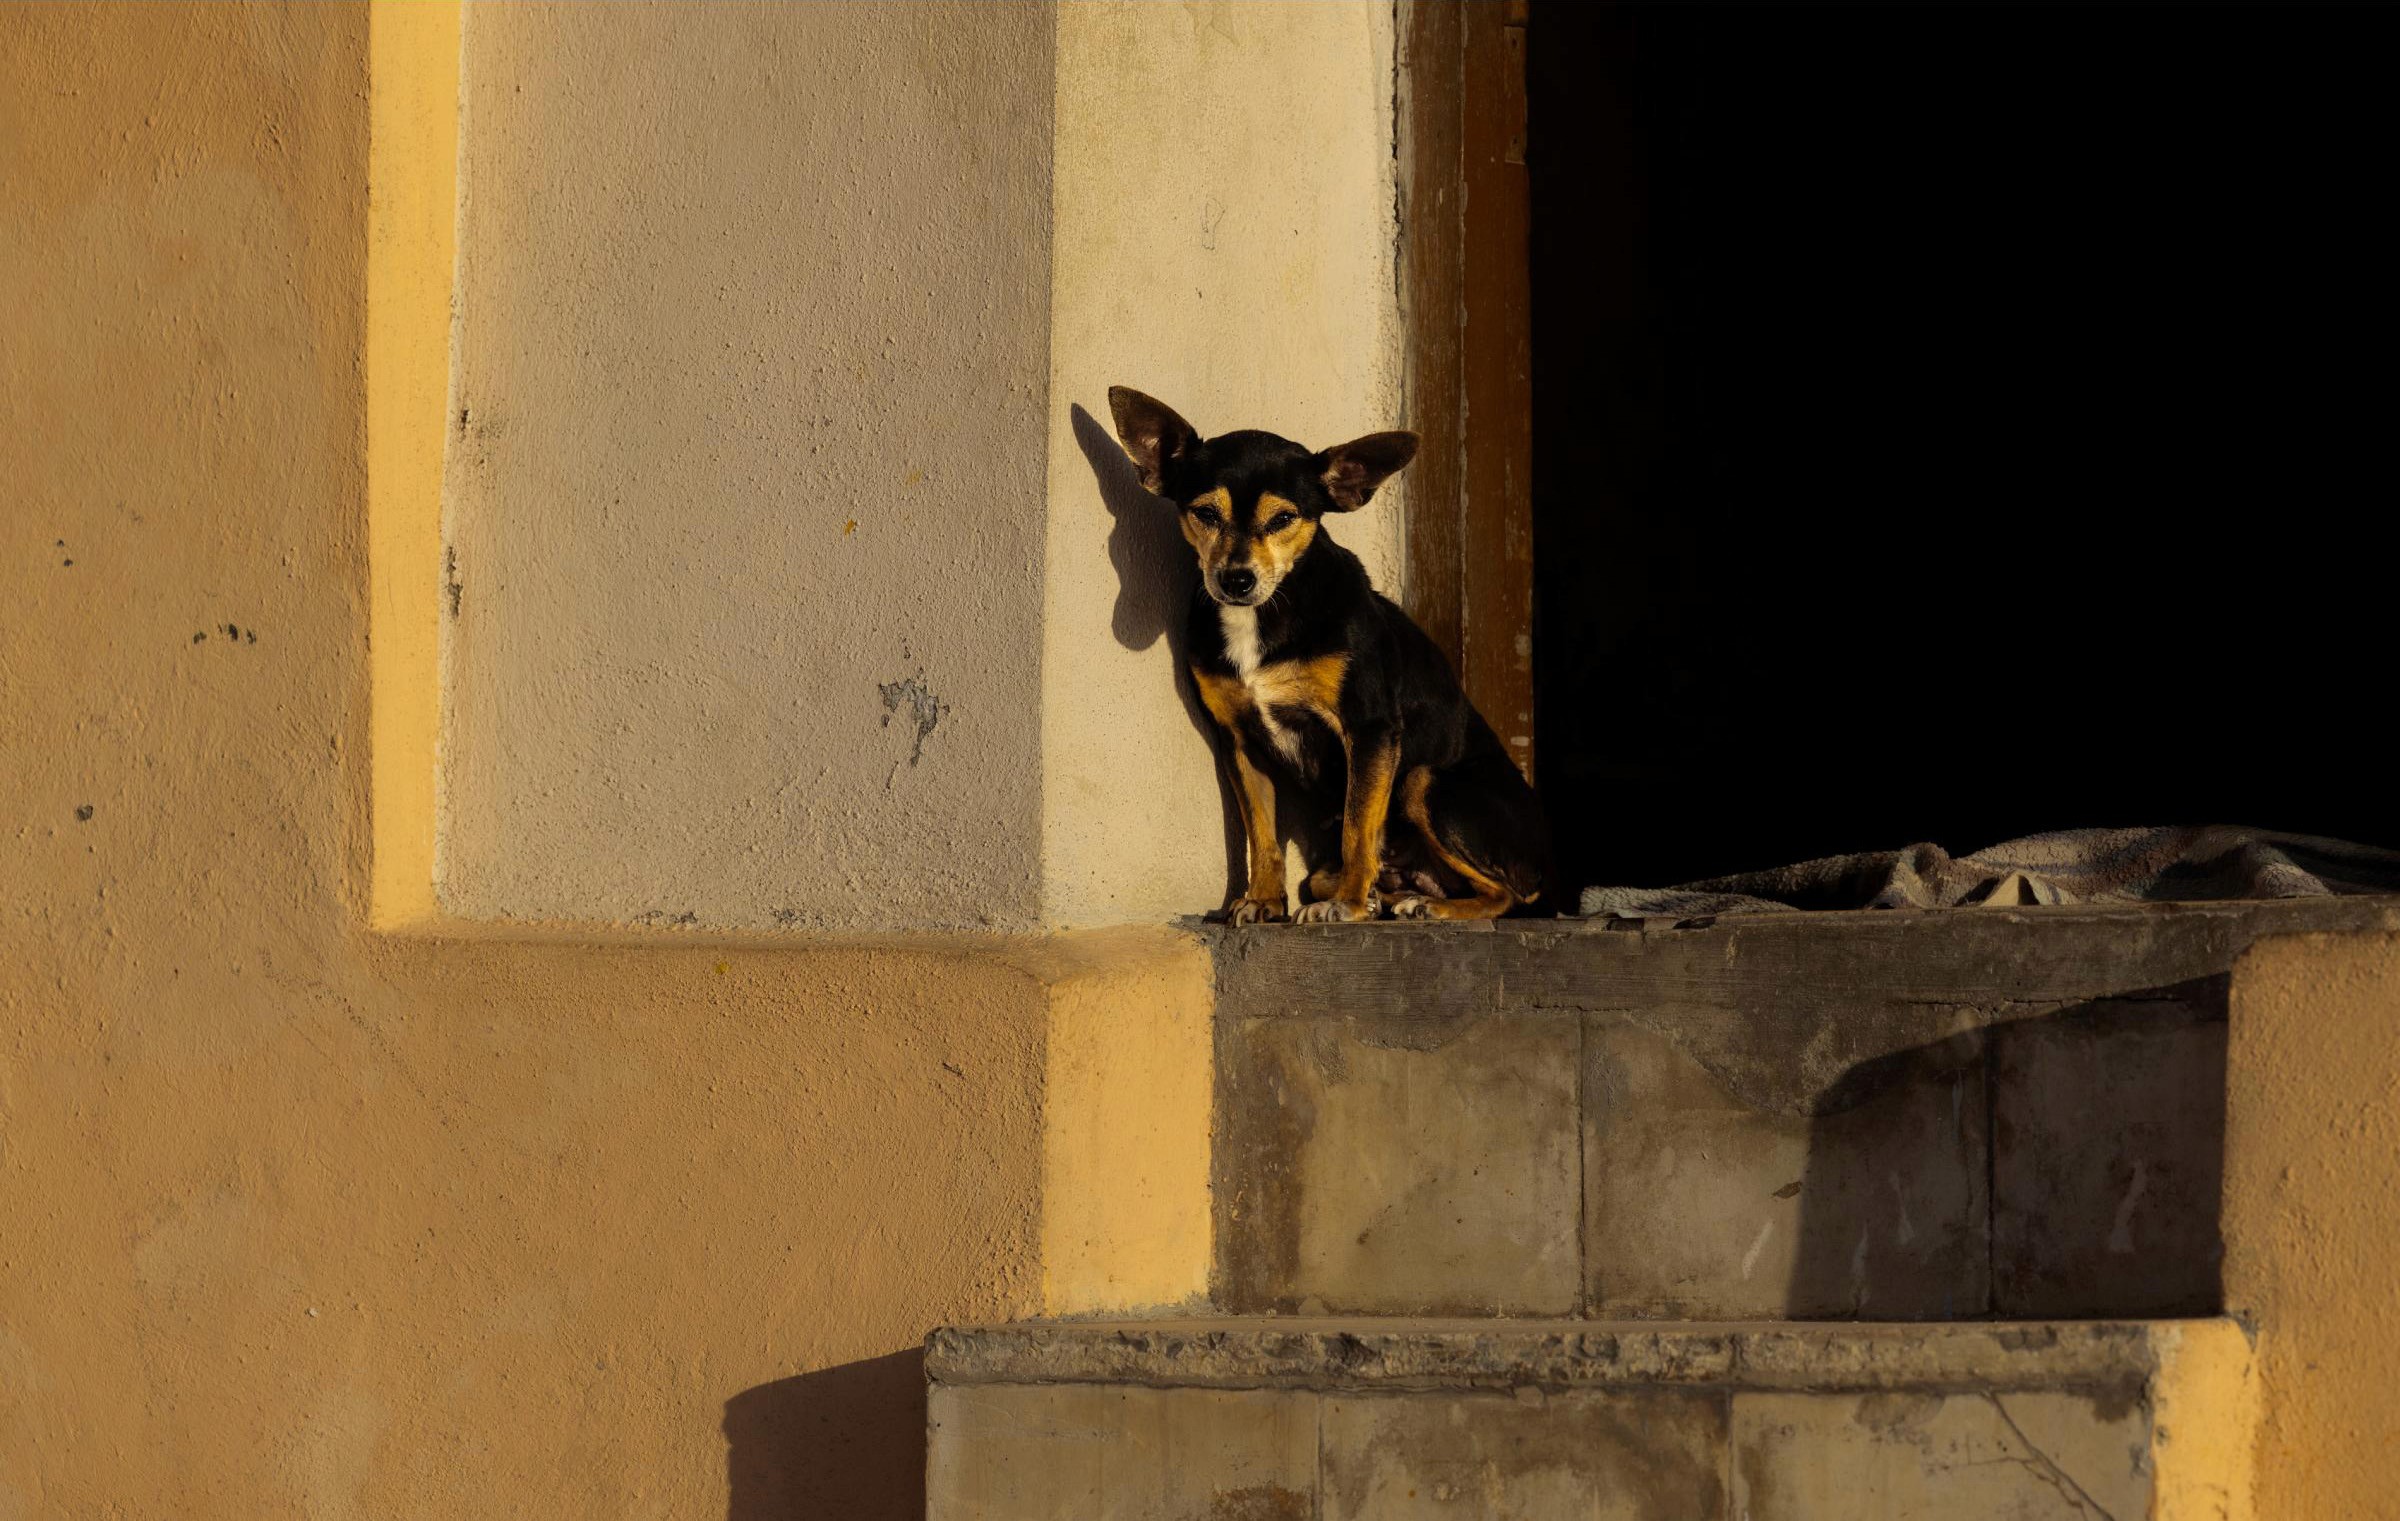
(1322, 1420)
(1894, 974)
(1281, 1353)
(1867, 1116)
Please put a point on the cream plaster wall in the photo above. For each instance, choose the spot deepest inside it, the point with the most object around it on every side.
(1223, 238)
(760, 311)
(745, 496)
(2312, 1215)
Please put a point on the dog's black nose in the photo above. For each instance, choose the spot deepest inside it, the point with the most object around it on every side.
(1236, 582)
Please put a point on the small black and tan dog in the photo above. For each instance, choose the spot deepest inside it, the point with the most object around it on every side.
(1343, 722)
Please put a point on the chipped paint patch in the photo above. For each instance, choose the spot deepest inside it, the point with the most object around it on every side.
(925, 711)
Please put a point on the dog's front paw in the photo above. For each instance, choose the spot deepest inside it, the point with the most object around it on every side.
(1413, 906)
(1335, 911)
(1255, 911)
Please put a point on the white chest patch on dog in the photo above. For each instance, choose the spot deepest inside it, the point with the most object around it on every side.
(1240, 626)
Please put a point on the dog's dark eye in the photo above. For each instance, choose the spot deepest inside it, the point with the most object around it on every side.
(1207, 516)
(1282, 520)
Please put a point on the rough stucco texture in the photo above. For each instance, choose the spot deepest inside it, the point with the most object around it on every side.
(294, 1221)
(2312, 1215)
(1224, 239)
(747, 516)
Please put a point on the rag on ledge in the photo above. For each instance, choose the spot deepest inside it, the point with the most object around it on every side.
(2190, 864)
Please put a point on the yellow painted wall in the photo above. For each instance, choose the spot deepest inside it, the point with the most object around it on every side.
(302, 1218)
(1126, 1122)
(412, 258)
(2312, 1216)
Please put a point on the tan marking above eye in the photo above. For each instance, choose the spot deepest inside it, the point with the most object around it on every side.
(1204, 534)
(1281, 551)
(1269, 507)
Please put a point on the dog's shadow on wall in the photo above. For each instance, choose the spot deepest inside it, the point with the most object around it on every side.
(1156, 578)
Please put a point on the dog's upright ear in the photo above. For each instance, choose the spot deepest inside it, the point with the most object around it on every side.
(1150, 432)
(1353, 470)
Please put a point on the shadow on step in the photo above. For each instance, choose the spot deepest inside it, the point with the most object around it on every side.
(2066, 1165)
(840, 1444)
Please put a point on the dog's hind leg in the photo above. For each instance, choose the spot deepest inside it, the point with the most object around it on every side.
(1488, 897)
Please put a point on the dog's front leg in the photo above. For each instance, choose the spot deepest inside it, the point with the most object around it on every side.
(1262, 902)
(1374, 758)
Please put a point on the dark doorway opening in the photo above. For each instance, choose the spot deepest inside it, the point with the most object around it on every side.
(1955, 422)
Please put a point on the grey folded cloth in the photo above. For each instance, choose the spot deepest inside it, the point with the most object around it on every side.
(2192, 863)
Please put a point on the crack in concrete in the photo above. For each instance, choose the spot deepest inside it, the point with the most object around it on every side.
(2042, 1467)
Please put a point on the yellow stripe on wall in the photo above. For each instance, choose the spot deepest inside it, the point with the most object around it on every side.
(411, 259)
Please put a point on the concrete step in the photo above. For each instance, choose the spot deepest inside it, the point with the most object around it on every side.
(1905, 1116)
(1276, 1419)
